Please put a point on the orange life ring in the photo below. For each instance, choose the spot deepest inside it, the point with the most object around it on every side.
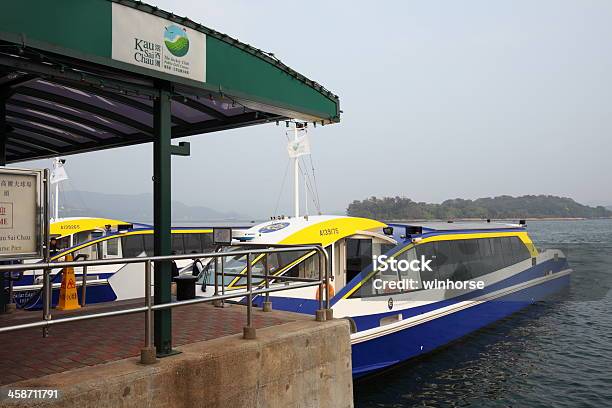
(330, 291)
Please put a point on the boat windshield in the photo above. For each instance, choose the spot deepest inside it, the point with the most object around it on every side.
(279, 262)
(231, 264)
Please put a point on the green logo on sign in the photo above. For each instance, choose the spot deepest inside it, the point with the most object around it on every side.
(176, 41)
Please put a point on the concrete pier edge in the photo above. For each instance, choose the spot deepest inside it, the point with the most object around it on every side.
(303, 363)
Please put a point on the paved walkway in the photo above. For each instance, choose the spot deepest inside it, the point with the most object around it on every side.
(25, 354)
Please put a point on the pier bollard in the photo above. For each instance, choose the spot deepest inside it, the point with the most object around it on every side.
(267, 307)
(148, 355)
(249, 333)
(320, 316)
(329, 314)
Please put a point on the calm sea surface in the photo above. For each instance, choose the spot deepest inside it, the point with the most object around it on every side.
(554, 353)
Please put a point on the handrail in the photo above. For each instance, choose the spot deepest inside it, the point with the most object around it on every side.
(249, 331)
(156, 258)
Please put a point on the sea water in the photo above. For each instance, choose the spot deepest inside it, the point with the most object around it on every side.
(553, 353)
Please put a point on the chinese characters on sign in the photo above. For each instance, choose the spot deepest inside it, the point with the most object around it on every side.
(21, 224)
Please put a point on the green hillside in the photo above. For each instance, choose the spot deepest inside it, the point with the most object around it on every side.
(529, 206)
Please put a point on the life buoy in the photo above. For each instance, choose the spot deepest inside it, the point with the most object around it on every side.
(330, 291)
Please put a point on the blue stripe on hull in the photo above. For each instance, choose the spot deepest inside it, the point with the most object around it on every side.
(414, 341)
(370, 321)
(95, 294)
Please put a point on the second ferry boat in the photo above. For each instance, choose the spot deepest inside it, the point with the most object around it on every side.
(101, 238)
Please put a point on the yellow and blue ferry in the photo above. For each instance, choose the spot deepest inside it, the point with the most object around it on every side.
(102, 238)
(489, 270)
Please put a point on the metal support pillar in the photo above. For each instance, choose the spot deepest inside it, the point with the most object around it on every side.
(3, 136)
(3, 127)
(162, 219)
(3, 295)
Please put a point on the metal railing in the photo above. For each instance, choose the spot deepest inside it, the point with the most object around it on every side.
(323, 282)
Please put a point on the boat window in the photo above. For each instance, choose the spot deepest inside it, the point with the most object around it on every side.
(112, 247)
(63, 243)
(470, 258)
(409, 275)
(507, 253)
(81, 237)
(282, 260)
(133, 246)
(307, 268)
(485, 250)
(286, 258)
(197, 243)
(274, 262)
(193, 244)
(207, 242)
(208, 273)
(92, 251)
(149, 246)
(367, 289)
(498, 256)
(427, 252)
(445, 259)
(178, 246)
(468, 261)
(520, 250)
(358, 256)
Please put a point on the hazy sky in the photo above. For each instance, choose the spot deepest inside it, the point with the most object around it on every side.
(441, 99)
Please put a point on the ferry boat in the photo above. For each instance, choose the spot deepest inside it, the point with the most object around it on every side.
(489, 271)
(98, 238)
(70, 231)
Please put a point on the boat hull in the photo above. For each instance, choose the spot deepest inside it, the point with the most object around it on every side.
(394, 347)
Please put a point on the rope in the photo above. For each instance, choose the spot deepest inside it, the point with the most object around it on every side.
(280, 193)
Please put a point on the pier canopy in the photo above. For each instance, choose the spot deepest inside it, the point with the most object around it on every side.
(78, 76)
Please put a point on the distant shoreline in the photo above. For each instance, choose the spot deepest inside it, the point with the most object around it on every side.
(515, 220)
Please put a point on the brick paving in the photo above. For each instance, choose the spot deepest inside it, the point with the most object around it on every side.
(25, 354)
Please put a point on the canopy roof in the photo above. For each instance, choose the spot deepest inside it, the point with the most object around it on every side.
(68, 89)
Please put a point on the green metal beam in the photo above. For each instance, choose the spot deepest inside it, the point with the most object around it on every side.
(162, 152)
(183, 149)
(63, 114)
(200, 107)
(75, 104)
(3, 297)
(15, 138)
(75, 131)
(3, 131)
(117, 98)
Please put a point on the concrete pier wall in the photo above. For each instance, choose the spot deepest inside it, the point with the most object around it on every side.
(297, 364)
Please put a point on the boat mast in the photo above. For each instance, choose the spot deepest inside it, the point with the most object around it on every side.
(57, 175)
(56, 208)
(296, 177)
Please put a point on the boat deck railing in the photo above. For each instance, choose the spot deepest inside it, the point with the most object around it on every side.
(323, 313)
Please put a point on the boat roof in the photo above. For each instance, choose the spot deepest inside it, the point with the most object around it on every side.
(315, 229)
(71, 225)
(459, 226)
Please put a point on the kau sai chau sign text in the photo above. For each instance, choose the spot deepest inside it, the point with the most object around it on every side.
(153, 42)
(22, 227)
